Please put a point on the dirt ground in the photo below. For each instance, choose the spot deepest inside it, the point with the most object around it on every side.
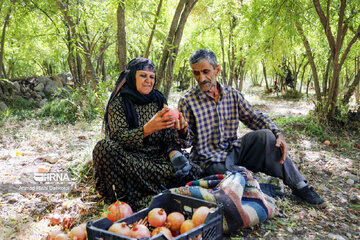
(31, 146)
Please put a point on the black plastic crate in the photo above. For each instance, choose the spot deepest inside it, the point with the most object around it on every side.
(211, 229)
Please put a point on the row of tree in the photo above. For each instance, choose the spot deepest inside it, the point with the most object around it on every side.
(258, 40)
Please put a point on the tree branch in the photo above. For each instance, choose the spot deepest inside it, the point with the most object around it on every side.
(325, 22)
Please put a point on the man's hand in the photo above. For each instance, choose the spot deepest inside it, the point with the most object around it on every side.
(280, 143)
(181, 125)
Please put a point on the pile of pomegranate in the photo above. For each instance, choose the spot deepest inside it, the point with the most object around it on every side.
(156, 222)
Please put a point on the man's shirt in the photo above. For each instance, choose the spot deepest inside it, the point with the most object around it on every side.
(213, 125)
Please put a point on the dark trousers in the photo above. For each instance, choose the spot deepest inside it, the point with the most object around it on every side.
(258, 153)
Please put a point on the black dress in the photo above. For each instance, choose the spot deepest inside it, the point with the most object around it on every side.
(138, 167)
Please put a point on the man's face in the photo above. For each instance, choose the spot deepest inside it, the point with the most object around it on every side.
(205, 75)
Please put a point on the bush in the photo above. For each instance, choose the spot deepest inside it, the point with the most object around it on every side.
(79, 104)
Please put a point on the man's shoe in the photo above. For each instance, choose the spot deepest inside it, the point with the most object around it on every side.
(308, 195)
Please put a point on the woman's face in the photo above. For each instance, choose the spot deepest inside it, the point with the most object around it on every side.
(144, 81)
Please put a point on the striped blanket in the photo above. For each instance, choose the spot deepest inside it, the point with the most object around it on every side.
(243, 202)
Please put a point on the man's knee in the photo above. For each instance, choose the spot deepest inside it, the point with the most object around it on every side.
(261, 136)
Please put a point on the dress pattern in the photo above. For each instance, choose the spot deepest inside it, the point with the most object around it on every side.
(137, 167)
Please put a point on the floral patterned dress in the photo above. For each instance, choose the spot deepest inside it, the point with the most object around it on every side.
(136, 167)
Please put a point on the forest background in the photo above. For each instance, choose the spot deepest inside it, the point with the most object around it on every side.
(310, 49)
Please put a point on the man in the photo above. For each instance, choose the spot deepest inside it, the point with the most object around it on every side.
(213, 112)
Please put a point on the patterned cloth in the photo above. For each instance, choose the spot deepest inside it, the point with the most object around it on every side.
(137, 167)
(243, 202)
(213, 125)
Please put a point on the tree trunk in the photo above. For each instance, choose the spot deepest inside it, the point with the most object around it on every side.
(6, 23)
(357, 68)
(326, 77)
(242, 73)
(351, 90)
(176, 43)
(121, 36)
(264, 71)
(223, 70)
(90, 74)
(302, 75)
(311, 61)
(153, 29)
(168, 43)
(336, 49)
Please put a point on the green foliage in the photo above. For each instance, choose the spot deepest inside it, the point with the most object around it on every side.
(79, 104)
(291, 94)
(83, 172)
(18, 109)
(303, 124)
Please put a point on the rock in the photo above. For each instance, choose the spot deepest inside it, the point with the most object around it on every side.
(51, 158)
(334, 236)
(40, 87)
(354, 195)
(12, 200)
(289, 229)
(44, 80)
(3, 106)
(350, 182)
(17, 87)
(42, 94)
(52, 87)
(43, 102)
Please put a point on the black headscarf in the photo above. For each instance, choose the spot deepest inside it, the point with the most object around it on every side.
(129, 93)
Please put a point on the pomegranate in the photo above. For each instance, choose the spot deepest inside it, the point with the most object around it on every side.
(200, 215)
(68, 221)
(61, 236)
(157, 217)
(174, 221)
(83, 226)
(120, 228)
(54, 219)
(52, 235)
(187, 225)
(118, 210)
(163, 230)
(77, 233)
(139, 231)
(172, 112)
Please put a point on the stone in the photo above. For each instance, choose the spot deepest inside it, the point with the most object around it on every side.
(51, 157)
(289, 229)
(52, 87)
(350, 182)
(354, 195)
(44, 80)
(335, 236)
(3, 106)
(17, 86)
(40, 87)
(43, 102)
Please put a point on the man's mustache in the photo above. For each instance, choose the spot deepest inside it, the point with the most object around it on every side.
(204, 82)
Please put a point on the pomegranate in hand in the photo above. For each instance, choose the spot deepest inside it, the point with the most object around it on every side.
(172, 112)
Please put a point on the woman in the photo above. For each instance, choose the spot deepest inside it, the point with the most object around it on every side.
(133, 164)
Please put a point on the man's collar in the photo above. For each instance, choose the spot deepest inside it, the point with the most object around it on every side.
(222, 91)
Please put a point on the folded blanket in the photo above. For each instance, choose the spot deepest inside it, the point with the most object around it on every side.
(244, 204)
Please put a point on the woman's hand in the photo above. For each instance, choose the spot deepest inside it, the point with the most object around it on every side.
(158, 122)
